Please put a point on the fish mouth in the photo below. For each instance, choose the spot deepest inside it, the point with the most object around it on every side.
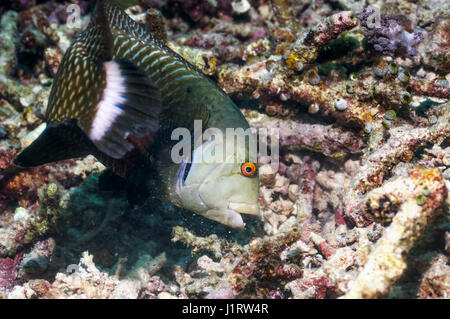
(234, 211)
(233, 219)
(231, 216)
(244, 208)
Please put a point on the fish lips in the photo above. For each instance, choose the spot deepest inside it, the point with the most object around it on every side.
(231, 215)
(244, 208)
(234, 211)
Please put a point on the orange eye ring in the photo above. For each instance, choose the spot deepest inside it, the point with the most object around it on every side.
(248, 169)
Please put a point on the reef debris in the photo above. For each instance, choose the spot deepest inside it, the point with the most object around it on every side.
(416, 208)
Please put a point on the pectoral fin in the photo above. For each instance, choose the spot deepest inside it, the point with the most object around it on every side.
(130, 105)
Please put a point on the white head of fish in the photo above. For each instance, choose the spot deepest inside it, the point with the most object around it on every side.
(215, 187)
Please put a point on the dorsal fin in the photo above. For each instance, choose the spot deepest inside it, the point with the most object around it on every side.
(119, 20)
(99, 27)
(124, 4)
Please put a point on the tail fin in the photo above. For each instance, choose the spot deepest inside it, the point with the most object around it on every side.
(57, 142)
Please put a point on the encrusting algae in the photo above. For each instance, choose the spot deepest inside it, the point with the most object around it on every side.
(356, 208)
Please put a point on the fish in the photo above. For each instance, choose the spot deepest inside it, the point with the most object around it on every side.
(119, 94)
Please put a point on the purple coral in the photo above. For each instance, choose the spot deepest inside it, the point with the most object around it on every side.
(8, 271)
(197, 9)
(394, 34)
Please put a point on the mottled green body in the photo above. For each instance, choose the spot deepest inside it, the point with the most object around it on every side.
(187, 94)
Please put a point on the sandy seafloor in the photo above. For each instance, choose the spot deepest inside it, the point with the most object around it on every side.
(358, 207)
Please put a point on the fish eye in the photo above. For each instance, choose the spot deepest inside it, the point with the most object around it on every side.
(248, 169)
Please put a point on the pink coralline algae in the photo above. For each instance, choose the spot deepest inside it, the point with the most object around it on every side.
(8, 272)
(328, 140)
(321, 286)
(197, 9)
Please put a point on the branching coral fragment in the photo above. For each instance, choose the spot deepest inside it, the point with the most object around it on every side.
(386, 262)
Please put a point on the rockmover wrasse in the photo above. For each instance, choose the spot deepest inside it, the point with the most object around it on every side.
(120, 92)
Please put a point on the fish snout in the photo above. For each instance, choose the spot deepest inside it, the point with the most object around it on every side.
(225, 216)
(244, 208)
(233, 218)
